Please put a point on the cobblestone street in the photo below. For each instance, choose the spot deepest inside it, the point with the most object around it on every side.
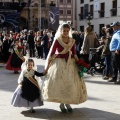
(103, 100)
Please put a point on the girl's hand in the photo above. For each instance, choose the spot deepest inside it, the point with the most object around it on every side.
(20, 85)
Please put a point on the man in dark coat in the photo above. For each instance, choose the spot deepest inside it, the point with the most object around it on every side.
(31, 43)
(45, 43)
(6, 46)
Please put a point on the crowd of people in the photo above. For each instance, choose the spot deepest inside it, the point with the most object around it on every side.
(61, 50)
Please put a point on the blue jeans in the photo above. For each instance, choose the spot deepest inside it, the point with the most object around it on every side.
(108, 64)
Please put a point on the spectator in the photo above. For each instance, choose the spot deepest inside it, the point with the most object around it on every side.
(115, 49)
(31, 43)
(88, 42)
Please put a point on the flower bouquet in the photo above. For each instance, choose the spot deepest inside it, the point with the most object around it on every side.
(83, 66)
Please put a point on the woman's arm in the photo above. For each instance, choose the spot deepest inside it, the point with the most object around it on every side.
(52, 54)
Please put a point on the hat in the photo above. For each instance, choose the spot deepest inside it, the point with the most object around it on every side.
(115, 24)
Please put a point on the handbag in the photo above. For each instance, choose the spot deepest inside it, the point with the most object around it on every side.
(96, 43)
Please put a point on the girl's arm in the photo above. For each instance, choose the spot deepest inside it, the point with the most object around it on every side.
(39, 74)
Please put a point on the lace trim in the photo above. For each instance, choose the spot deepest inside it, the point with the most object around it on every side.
(27, 73)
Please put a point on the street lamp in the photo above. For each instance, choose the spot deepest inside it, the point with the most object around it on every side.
(39, 15)
(89, 17)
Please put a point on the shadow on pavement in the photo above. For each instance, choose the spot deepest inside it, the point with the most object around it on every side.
(103, 82)
(78, 114)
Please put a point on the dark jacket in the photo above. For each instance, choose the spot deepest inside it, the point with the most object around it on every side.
(30, 40)
(45, 41)
(105, 47)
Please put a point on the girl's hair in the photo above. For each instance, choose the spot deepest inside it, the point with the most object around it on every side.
(30, 60)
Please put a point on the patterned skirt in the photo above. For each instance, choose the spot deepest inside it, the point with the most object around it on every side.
(63, 84)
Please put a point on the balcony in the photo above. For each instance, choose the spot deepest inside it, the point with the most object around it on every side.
(113, 11)
(101, 13)
(81, 16)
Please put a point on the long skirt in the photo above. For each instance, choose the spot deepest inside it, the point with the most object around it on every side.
(63, 84)
(18, 101)
(14, 63)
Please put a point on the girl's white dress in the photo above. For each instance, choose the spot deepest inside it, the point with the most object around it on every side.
(63, 84)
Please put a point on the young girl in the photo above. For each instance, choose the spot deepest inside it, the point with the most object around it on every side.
(27, 93)
(16, 59)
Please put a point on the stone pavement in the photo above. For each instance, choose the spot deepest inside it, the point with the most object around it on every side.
(103, 101)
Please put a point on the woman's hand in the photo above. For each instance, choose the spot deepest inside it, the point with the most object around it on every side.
(45, 71)
(76, 58)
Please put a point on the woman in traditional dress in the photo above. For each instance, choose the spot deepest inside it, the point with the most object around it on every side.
(63, 84)
(16, 58)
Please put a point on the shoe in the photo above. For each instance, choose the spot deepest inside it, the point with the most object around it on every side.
(63, 110)
(110, 76)
(117, 82)
(112, 80)
(38, 57)
(32, 111)
(70, 110)
(105, 78)
(16, 72)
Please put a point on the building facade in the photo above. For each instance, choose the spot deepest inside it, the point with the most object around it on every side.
(67, 11)
(34, 15)
(97, 13)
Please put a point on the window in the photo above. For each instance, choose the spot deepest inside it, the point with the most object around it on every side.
(52, 4)
(61, 12)
(69, 12)
(92, 27)
(82, 28)
(68, 1)
(114, 8)
(101, 12)
(82, 1)
(61, 1)
(100, 28)
(91, 10)
(81, 13)
(43, 3)
(114, 4)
